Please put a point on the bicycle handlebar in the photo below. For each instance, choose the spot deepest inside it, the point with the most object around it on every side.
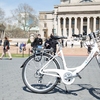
(94, 35)
(91, 35)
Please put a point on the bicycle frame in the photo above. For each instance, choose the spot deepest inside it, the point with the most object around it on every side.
(74, 71)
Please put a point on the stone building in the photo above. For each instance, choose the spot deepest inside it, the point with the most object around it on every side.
(71, 17)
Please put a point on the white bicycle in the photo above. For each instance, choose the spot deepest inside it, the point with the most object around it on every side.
(43, 76)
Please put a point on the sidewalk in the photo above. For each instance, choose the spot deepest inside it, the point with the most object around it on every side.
(75, 51)
(13, 88)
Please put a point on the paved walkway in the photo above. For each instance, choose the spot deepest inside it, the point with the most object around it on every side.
(75, 51)
(13, 88)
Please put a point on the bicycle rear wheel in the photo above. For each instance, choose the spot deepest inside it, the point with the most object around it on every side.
(35, 81)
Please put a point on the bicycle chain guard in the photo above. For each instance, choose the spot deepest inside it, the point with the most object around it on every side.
(68, 78)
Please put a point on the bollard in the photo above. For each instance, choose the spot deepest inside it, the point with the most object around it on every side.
(22, 52)
(29, 52)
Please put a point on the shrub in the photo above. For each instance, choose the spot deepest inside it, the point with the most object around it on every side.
(29, 41)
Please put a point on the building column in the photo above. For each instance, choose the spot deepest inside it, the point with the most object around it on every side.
(94, 24)
(99, 22)
(75, 26)
(55, 24)
(64, 26)
(70, 30)
(88, 25)
(59, 27)
(81, 30)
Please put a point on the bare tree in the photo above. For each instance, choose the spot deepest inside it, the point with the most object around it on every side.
(2, 14)
(26, 17)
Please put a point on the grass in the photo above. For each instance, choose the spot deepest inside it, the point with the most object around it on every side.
(17, 55)
(20, 55)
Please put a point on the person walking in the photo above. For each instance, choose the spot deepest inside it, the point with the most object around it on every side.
(62, 41)
(81, 44)
(6, 48)
(66, 44)
(37, 43)
(53, 43)
(47, 44)
(21, 47)
(72, 44)
(89, 49)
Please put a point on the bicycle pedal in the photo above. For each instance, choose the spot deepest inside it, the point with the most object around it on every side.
(78, 75)
(47, 59)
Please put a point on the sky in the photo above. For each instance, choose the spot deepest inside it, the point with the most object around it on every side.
(37, 5)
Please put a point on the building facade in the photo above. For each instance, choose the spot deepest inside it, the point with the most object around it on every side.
(71, 17)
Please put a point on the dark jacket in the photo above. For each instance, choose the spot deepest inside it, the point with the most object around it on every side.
(52, 44)
(36, 42)
(6, 45)
(47, 44)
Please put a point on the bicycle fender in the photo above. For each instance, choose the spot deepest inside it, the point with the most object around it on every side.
(22, 65)
(25, 62)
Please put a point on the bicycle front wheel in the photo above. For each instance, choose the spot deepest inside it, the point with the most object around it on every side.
(36, 82)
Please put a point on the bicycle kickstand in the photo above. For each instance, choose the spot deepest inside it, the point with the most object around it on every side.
(66, 88)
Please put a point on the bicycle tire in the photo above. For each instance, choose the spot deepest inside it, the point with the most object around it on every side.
(31, 77)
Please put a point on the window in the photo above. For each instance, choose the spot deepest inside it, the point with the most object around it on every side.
(73, 21)
(97, 21)
(72, 31)
(61, 21)
(45, 16)
(45, 24)
(85, 19)
(67, 32)
(67, 21)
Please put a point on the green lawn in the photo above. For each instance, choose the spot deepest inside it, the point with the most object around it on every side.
(17, 55)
